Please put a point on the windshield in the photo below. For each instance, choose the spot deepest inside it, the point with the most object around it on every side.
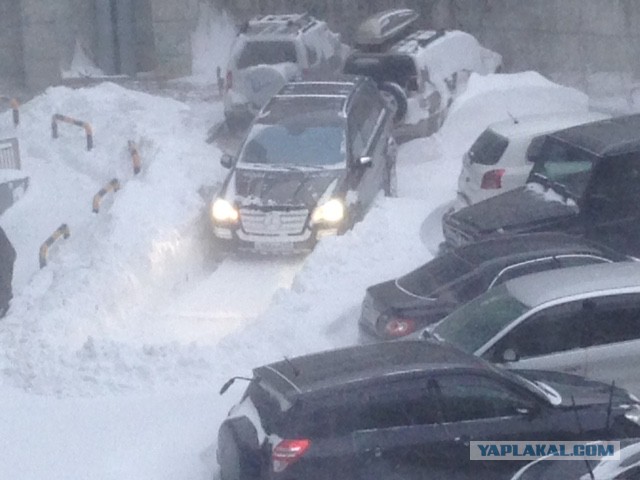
(488, 148)
(300, 140)
(474, 324)
(563, 167)
(269, 53)
(437, 273)
(399, 69)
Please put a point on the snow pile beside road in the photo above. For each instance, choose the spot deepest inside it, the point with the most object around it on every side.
(70, 323)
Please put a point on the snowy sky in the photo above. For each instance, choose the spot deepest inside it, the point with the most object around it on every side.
(112, 356)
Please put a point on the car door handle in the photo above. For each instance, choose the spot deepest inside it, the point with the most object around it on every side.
(463, 439)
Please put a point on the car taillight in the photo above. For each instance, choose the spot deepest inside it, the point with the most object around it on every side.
(287, 452)
(229, 82)
(492, 180)
(399, 327)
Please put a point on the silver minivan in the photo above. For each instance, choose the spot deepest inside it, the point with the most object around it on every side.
(583, 320)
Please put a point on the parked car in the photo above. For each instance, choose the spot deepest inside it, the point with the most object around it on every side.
(399, 307)
(269, 52)
(420, 71)
(498, 162)
(583, 320)
(311, 165)
(586, 181)
(405, 410)
(627, 467)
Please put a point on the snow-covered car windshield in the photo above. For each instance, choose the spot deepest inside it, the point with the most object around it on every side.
(301, 140)
(437, 273)
(474, 324)
(562, 167)
(266, 53)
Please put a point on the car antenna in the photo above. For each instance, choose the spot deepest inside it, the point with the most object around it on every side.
(581, 431)
(514, 119)
(229, 382)
(296, 372)
(610, 405)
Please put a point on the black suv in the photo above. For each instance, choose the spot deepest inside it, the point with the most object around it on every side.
(399, 307)
(405, 410)
(313, 161)
(585, 180)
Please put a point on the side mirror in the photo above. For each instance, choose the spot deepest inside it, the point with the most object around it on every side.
(226, 160)
(510, 355)
(364, 161)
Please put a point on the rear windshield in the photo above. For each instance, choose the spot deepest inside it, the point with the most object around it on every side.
(477, 322)
(305, 140)
(562, 166)
(269, 53)
(398, 69)
(488, 148)
(439, 272)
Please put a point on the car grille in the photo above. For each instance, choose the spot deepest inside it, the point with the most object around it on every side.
(273, 222)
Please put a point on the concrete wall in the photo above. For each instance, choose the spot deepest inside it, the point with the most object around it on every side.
(11, 66)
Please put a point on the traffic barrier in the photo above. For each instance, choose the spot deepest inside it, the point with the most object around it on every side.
(62, 231)
(112, 186)
(79, 123)
(135, 157)
(15, 106)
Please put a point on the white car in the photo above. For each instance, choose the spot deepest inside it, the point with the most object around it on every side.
(498, 160)
(271, 51)
(583, 320)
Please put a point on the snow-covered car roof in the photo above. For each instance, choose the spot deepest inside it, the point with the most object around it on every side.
(530, 125)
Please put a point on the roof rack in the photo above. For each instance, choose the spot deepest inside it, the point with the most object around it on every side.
(278, 24)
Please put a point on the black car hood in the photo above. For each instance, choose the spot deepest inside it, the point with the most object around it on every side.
(283, 187)
(522, 209)
(584, 392)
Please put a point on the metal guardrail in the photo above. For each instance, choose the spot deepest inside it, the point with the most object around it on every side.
(112, 186)
(135, 157)
(61, 232)
(79, 123)
(15, 107)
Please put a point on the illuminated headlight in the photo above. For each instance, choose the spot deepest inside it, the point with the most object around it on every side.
(633, 414)
(222, 211)
(331, 211)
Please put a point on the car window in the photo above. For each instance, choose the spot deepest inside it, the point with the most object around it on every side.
(362, 120)
(488, 148)
(579, 260)
(399, 69)
(440, 271)
(409, 403)
(312, 55)
(266, 52)
(475, 323)
(611, 320)
(469, 397)
(306, 140)
(525, 268)
(616, 185)
(534, 149)
(553, 330)
(563, 166)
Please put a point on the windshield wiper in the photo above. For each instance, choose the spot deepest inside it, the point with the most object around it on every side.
(541, 179)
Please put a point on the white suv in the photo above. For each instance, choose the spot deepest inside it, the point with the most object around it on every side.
(498, 159)
(269, 52)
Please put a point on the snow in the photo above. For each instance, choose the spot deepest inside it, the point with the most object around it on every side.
(112, 356)
(81, 65)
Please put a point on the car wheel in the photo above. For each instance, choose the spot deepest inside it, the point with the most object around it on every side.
(391, 180)
(396, 97)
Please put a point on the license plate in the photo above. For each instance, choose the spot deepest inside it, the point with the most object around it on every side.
(274, 247)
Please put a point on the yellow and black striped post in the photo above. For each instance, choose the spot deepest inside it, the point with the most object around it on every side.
(135, 157)
(79, 123)
(15, 107)
(62, 231)
(112, 186)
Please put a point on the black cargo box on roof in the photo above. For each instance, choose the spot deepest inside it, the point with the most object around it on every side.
(384, 28)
